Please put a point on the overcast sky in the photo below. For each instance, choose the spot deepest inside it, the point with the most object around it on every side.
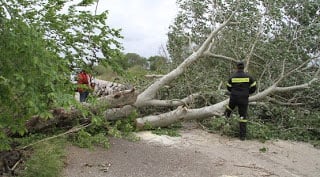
(144, 23)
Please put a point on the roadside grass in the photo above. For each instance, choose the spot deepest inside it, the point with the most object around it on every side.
(172, 130)
(45, 159)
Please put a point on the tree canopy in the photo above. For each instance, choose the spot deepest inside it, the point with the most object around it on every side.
(272, 37)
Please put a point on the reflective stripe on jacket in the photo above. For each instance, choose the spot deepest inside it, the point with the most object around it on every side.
(241, 84)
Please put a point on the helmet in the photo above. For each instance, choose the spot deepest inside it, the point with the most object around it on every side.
(240, 65)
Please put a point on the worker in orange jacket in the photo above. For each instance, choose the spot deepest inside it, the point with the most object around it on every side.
(85, 84)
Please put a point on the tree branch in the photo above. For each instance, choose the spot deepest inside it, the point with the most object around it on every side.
(119, 113)
(273, 100)
(174, 103)
(181, 113)
(153, 76)
(208, 53)
(150, 92)
(248, 57)
(282, 76)
(295, 87)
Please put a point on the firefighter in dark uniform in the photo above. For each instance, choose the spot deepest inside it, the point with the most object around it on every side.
(240, 85)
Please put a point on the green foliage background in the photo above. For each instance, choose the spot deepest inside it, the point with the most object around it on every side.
(42, 42)
(32, 79)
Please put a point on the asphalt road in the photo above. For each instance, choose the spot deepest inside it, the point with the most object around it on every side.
(195, 154)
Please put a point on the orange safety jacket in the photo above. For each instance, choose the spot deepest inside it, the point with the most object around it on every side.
(84, 82)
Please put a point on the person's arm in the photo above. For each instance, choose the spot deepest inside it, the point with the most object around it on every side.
(253, 85)
(229, 85)
(92, 83)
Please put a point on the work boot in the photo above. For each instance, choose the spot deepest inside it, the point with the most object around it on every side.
(243, 129)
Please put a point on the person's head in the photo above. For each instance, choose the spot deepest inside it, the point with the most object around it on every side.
(240, 65)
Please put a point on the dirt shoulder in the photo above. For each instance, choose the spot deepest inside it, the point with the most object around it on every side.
(195, 153)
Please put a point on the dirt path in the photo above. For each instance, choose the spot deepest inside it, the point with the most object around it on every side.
(195, 154)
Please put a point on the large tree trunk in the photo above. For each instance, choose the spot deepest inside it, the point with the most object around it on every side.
(183, 113)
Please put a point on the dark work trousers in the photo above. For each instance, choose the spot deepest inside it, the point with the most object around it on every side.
(241, 102)
(83, 96)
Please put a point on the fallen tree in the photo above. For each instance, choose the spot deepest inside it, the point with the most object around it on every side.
(122, 100)
(182, 112)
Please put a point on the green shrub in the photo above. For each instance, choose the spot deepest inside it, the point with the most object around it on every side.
(276, 123)
(85, 139)
(124, 128)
